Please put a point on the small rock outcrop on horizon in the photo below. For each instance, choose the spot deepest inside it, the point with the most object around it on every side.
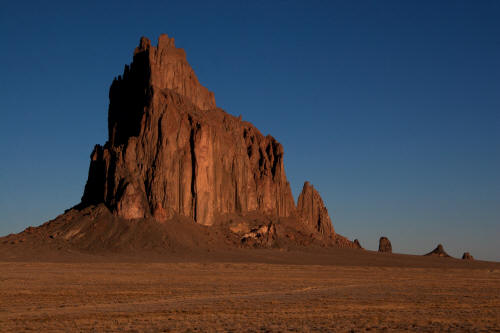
(438, 252)
(357, 244)
(467, 256)
(384, 245)
(178, 172)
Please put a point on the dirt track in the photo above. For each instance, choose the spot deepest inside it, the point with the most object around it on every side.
(256, 297)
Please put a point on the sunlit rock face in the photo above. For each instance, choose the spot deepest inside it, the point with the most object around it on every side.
(312, 210)
(171, 151)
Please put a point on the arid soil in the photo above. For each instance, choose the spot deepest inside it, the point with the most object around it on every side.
(254, 291)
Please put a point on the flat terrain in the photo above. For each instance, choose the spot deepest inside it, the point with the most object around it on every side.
(425, 294)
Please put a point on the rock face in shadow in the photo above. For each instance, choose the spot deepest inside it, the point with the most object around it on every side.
(312, 210)
(357, 244)
(467, 256)
(384, 245)
(172, 152)
(438, 252)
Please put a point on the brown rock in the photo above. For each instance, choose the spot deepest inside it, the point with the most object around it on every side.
(467, 256)
(357, 244)
(312, 210)
(384, 245)
(173, 156)
(264, 235)
(171, 151)
(343, 242)
(169, 69)
(438, 252)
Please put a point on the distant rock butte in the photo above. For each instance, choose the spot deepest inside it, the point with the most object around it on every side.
(438, 252)
(467, 256)
(384, 245)
(172, 152)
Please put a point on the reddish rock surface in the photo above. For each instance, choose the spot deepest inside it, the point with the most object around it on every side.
(169, 69)
(312, 210)
(357, 244)
(438, 252)
(384, 245)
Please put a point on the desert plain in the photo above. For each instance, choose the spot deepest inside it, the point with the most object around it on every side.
(344, 290)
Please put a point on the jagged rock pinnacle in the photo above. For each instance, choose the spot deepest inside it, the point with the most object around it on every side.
(311, 208)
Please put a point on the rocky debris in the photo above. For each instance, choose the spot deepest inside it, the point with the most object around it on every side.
(357, 244)
(312, 210)
(438, 252)
(171, 151)
(263, 236)
(384, 245)
(467, 256)
(342, 242)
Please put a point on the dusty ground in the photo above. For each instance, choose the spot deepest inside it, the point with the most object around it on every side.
(256, 297)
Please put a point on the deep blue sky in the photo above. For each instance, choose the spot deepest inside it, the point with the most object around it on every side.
(390, 108)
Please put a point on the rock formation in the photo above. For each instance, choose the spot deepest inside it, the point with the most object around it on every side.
(312, 210)
(357, 244)
(384, 245)
(172, 152)
(467, 256)
(438, 252)
(178, 173)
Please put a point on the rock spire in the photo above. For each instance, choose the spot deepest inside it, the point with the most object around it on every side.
(312, 210)
(384, 245)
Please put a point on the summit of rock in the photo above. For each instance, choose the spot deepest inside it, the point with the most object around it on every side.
(168, 68)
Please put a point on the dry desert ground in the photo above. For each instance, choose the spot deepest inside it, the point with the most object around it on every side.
(266, 291)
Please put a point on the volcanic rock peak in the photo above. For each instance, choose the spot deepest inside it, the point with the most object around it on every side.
(172, 152)
(169, 69)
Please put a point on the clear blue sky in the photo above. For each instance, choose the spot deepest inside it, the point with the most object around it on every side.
(390, 108)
